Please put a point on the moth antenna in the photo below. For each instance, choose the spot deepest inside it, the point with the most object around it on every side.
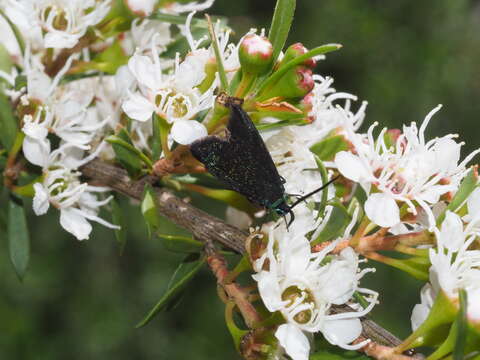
(292, 217)
(299, 200)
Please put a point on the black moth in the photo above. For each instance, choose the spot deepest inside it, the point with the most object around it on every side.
(241, 161)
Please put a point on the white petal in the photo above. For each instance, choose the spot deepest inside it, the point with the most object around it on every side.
(473, 307)
(237, 218)
(36, 151)
(72, 221)
(451, 235)
(447, 153)
(294, 341)
(473, 203)
(187, 131)
(269, 290)
(34, 130)
(382, 210)
(343, 331)
(141, 7)
(123, 79)
(60, 40)
(143, 69)
(40, 200)
(298, 253)
(421, 311)
(351, 166)
(138, 107)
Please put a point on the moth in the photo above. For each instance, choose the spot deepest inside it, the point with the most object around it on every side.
(242, 162)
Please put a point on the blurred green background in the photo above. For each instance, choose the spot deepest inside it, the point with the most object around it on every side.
(80, 300)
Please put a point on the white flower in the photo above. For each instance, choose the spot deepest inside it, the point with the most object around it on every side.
(61, 187)
(178, 8)
(173, 97)
(454, 267)
(55, 23)
(327, 115)
(302, 285)
(413, 171)
(420, 311)
(141, 34)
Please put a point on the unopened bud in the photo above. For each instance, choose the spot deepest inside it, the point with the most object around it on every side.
(295, 51)
(255, 54)
(296, 83)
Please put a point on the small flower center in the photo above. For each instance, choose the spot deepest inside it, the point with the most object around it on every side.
(59, 21)
(296, 296)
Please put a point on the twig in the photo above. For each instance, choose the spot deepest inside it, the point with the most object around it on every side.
(239, 295)
(203, 226)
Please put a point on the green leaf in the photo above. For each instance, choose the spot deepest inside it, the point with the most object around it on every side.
(156, 138)
(328, 148)
(272, 80)
(109, 60)
(281, 22)
(181, 244)
(338, 221)
(181, 277)
(128, 155)
(6, 63)
(8, 123)
(459, 349)
(467, 186)
(149, 210)
(118, 219)
(18, 238)
(16, 32)
(218, 57)
(280, 124)
(20, 82)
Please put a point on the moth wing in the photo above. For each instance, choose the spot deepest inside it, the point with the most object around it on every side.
(237, 167)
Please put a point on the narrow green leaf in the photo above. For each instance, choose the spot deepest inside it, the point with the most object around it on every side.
(323, 202)
(279, 124)
(128, 155)
(181, 20)
(328, 148)
(20, 82)
(281, 22)
(156, 138)
(338, 221)
(181, 277)
(218, 57)
(149, 210)
(462, 327)
(16, 32)
(270, 81)
(469, 183)
(18, 238)
(6, 63)
(8, 123)
(118, 219)
(181, 244)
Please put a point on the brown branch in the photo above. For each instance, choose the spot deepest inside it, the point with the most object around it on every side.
(202, 225)
(239, 295)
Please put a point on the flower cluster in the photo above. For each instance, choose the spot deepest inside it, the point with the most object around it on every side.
(96, 80)
(303, 285)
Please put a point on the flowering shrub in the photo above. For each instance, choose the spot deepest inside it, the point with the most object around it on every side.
(103, 97)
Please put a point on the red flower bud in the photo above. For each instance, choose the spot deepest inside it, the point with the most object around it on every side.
(255, 54)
